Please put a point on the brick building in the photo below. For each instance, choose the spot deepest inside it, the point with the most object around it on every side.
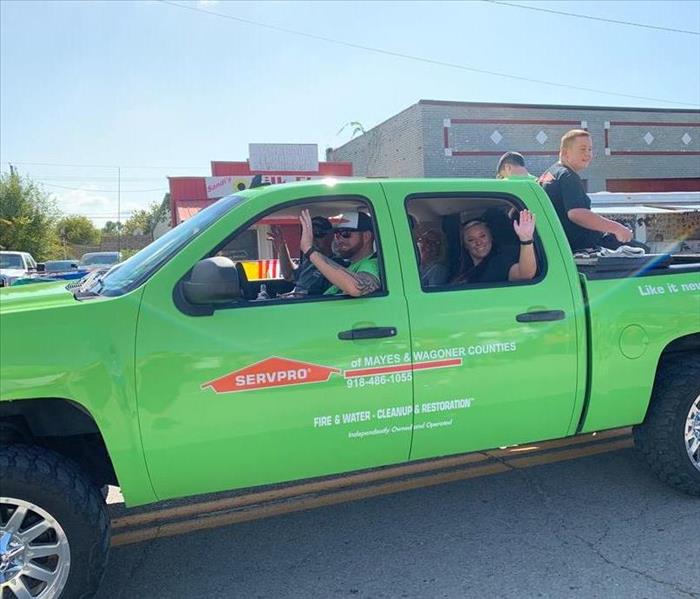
(635, 149)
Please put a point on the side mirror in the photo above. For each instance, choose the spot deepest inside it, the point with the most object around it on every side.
(213, 280)
(40, 267)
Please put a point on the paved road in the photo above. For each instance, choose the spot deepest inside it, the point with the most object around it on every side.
(595, 527)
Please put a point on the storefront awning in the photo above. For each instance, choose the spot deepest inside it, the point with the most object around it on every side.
(644, 209)
(186, 209)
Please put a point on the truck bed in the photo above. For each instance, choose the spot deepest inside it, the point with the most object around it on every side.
(615, 267)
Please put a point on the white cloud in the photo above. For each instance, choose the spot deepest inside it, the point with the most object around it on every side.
(98, 207)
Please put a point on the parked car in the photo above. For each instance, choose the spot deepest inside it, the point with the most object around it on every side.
(57, 266)
(93, 260)
(65, 269)
(53, 270)
(14, 265)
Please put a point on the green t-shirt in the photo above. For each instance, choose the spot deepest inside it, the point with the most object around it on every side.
(368, 264)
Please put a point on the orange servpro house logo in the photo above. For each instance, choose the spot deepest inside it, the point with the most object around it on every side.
(271, 372)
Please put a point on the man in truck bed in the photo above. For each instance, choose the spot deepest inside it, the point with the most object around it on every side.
(584, 228)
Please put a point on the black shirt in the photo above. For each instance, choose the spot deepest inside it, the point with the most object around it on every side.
(494, 268)
(565, 189)
(309, 280)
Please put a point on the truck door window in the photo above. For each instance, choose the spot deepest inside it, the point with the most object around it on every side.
(465, 242)
(271, 268)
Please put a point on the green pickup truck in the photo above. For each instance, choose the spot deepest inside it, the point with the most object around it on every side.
(173, 375)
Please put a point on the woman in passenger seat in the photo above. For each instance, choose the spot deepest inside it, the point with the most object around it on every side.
(483, 261)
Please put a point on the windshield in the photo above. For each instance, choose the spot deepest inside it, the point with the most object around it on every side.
(134, 271)
(11, 261)
(59, 265)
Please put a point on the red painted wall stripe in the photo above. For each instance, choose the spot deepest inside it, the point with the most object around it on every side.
(500, 153)
(674, 153)
(506, 122)
(651, 124)
(514, 122)
(649, 185)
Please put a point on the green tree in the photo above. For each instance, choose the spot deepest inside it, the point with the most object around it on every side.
(111, 227)
(356, 126)
(27, 217)
(78, 230)
(138, 223)
(143, 222)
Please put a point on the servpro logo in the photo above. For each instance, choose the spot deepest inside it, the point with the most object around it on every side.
(271, 372)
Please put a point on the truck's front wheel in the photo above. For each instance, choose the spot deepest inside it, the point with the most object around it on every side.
(669, 437)
(54, 529)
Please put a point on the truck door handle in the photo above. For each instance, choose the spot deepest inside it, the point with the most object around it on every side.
(541, 316)
(367, 333)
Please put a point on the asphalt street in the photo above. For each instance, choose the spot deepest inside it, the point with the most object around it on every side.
(599, 526)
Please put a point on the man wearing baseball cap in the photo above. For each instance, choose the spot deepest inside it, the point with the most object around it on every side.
(307, 279)
(511, 166)
(354, 241)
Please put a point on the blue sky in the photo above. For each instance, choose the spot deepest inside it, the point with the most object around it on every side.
(147, 84)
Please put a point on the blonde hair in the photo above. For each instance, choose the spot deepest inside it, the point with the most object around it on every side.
(568, 138)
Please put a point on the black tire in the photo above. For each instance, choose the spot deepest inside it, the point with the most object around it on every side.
(56, 485)
(661, 437)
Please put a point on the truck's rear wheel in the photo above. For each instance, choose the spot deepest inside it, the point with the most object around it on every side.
(669, 437)
(54, 529)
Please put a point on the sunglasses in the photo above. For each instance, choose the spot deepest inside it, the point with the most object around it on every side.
(345, 234)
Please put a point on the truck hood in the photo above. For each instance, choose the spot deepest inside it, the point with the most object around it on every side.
(36, 296)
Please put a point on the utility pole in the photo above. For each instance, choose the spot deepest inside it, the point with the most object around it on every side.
(119, 209)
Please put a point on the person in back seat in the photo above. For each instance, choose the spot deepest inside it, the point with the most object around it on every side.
(501, 225)
(432, 250)
(484, 262)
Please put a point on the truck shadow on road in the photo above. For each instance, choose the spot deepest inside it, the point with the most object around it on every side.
(592, 527)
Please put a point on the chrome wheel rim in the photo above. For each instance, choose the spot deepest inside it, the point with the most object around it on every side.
(34, 551)
(692, 433)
